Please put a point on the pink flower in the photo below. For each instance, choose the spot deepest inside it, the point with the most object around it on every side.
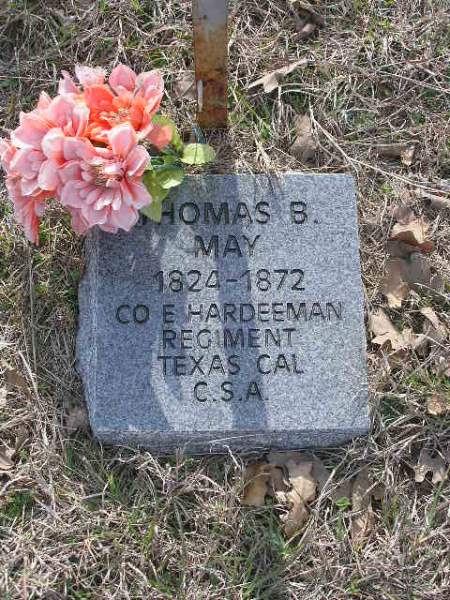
(27, 209)
(32, 161)
(103, 186)
(129, 98)
(39, 134)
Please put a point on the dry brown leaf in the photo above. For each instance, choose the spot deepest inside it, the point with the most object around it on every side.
(398, 249)
(77, 419)
(307, 10)
(343, 490)
(301, 479)
(297, 516)
(434, 333)
(403, 214)
(393, 286)
(413, 232)
(429, 314)
(6, 462)
(441, 366)
(184, 85)
(439, 202)
(304, 146)
(256, 479)
(277, 482)
(407, 155)
(319, 473)
(14, 379)
(426, 463)
(403, 274)
(362, 523)
(438, 404)
(385, 332)
(402, 150)
(279, 459)
(272, 80)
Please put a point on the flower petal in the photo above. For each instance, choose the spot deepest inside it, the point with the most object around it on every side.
(70, 195)
(136, 162)
(150, 84)
(99, 98)
(122, 77)
(53, 144)
(124, 218)
(80, 119)
(139, 194)
(48, 176)
(79, 223)
(76, 149)
(89, 75)
(44, 101)
(160, 136)
(122, 139)
(31, 130)
(67, 85)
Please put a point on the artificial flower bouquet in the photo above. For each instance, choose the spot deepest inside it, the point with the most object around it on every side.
(100, 149)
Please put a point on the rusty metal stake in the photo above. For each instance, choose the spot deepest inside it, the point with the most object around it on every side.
(211, 57)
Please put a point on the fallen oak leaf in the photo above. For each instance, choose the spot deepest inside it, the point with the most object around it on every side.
(441, 366)
(307, 10)
(272, 80)
(256, 479)
(77, 419)
(320, 473)
(403, 214)
(434, 333)
(404, 151)
(427, 463)
(430, 314)
(277, 481)
(407, 155)
(6, 462)
(413, 232)
(304, 146)
(393, 285)
(386, 332)
(438, 404)
(14, 379)
(362, 492)
(301, 479)
(439, 202)
(403, 274)
(184, 85)
(297, 516)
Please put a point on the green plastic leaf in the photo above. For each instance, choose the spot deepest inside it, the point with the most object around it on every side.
(197, 154)
(169, 177)
(170, 159)
(162, 121)
(157, 192)
(153, 211)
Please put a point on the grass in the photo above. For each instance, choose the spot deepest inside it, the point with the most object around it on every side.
(84, 522)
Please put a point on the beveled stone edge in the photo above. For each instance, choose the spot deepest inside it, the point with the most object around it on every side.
(193, 443)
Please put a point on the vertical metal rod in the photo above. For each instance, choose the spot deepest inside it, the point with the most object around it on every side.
(211, 57)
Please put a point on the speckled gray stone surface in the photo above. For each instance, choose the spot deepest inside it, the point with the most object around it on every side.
(235, 324)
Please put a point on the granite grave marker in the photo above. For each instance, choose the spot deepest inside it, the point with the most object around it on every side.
(235, 323)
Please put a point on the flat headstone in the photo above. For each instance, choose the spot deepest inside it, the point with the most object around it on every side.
(236, 323)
